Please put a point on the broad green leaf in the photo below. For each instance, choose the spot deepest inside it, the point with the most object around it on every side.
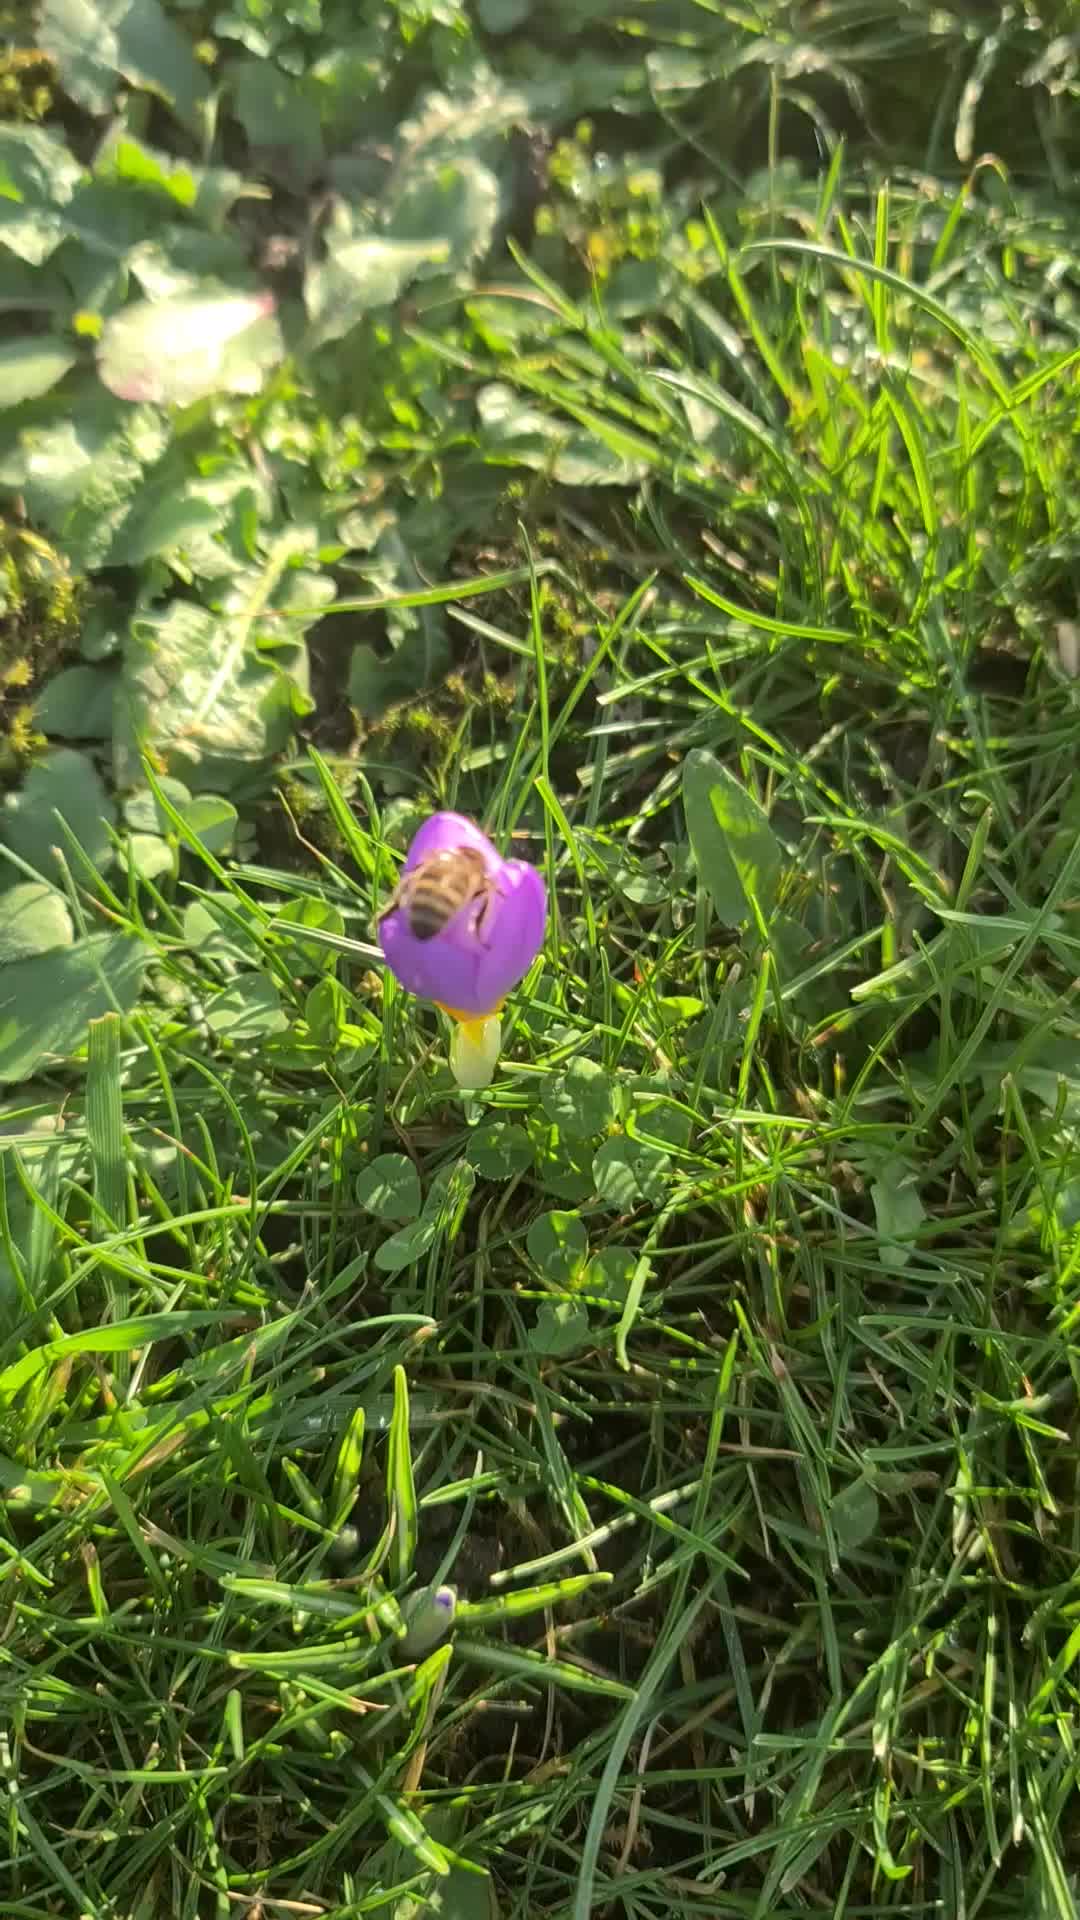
(405, 1248)
(1065, 1212)
(150, 856)
(213, 820)
(96, 42)
(208, 193)
(390, 1188)
(657, 1119)
(34, 918)
(1051, 1074)
(326, 1012)
(444, 123)
(502, 16)
(448, 1196)
(561, 1326)
(898, 1210)
(80, 476)
(630, 1173)
(38, 175)
(640, 886)
(456, 203)
(738, 856)
(615, 1171)
(467, 1896)
(681, 1007)
(248, 1009)
(77, 704)
(610, 1273)
(516, 431)
(143, 812)
(28, 289)
(359, 275)
(165, 522)
(854, 1514)
(406, 556)
(375, 683)
(559, 89)
(193, 692)
(211, 928)
(500, 1149)
(46, 1003)
(64, 783)
(565, 1163)
(280, 115)
(321, 915)
(568, 1179)
(344, 76)
(580, 1101)
(676, 70)
(174, 352)
(30, 367)
(638, 286)
(558, 1244)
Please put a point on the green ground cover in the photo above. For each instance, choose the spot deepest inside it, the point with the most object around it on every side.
(650, 431)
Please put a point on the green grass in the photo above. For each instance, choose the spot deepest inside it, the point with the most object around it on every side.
(722, 1357)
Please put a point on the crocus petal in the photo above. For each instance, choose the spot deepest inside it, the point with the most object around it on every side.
(512, 944)
(474, 1052)
(444, 830)
(464, 966)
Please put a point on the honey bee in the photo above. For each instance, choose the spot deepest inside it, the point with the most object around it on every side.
(439, 887)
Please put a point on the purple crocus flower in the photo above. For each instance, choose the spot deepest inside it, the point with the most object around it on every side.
(471, 964)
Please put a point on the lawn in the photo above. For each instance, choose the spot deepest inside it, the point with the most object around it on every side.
(647, 1485)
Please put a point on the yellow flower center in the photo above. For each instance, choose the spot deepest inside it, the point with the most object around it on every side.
(473, 1023)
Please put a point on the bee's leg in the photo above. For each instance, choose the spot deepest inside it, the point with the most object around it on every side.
(391, 905)
(482, 915)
